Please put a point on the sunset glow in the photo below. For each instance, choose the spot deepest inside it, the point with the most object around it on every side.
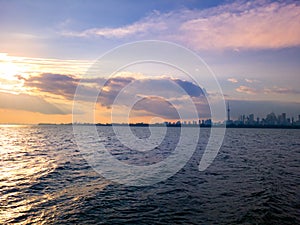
(253, 48)
(149, 112)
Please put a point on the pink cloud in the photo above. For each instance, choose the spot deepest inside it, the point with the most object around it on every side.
(247, 90)
(266, 90)
(238, 25)
(270, 25)
(281, 90)
(232, 80)
(251, 81)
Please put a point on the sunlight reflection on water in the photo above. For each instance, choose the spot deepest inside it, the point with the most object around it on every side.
(36, 175)
(22, 164)
(45, 180)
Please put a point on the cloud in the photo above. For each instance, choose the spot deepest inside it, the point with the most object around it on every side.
(28, 65)
(57, 84)
(168, 109)
(61, 85)
(190, 88)
(232, 80)
(237, 25)
(155, 106)
(28, 103)
(247, 90)
(122, 91)
(162, 86)
(266, 90)
(281, 90)
(161, 96)
(244, 25)
(65, 86)
(157, 96)
(251, 81)
(139, 28)
(111, 90)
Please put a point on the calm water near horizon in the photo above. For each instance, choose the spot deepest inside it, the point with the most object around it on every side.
(255, 179)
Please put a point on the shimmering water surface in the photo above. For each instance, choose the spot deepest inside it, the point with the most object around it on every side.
(44, 179)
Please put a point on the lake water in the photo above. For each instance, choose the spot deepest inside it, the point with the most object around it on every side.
(255, 179)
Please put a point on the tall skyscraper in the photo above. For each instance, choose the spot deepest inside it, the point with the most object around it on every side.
(228, 112)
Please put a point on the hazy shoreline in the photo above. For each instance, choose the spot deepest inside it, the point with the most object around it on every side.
(175, 125)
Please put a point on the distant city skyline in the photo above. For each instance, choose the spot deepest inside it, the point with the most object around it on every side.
(271, 119)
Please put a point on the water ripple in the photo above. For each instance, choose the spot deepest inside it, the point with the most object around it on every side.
(44, 180)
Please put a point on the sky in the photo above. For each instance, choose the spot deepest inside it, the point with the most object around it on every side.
(47, 47)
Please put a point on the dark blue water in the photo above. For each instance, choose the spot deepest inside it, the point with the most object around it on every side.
(44, 179)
